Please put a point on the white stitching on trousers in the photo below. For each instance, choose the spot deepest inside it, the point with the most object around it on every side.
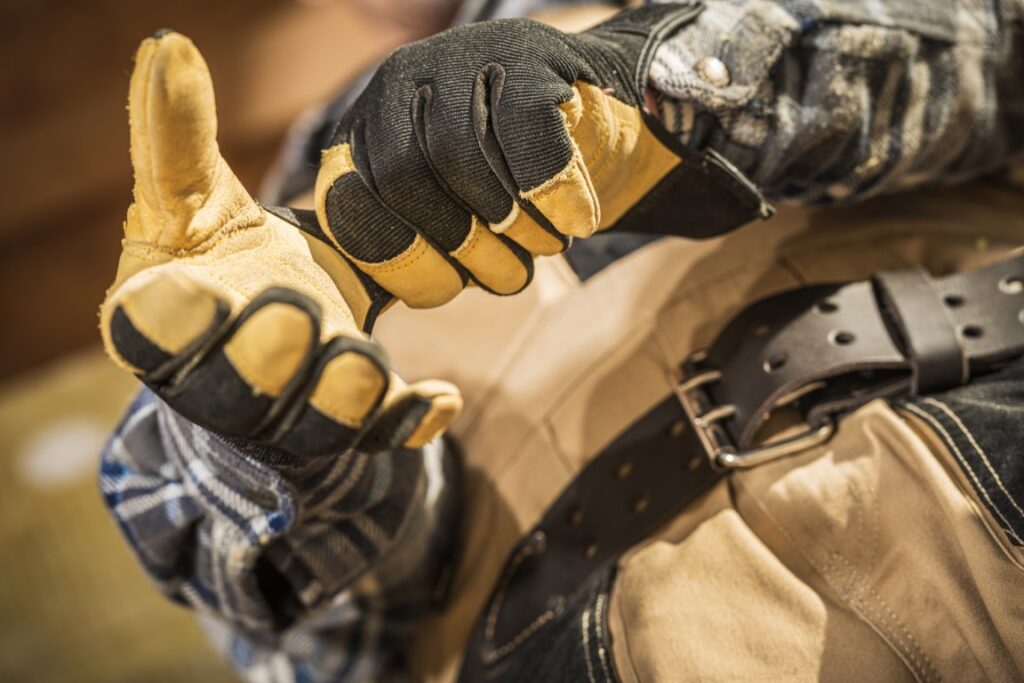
(984, 457)
(601, 654)
(585, 629)
(963, 461)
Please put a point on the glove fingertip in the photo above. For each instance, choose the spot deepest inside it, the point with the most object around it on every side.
(350, 388)
(443, 410)
(350, 381)
(271, 344)
(569, 201)
(129, 348)
(413, 416)
(149, 324)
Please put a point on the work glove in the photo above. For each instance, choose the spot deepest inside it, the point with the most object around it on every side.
(231, 314)
(475, 150)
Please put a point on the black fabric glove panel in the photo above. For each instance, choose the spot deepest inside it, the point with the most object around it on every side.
(495, 142)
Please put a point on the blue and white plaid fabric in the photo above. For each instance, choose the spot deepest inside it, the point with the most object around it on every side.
(288, 562)
(295, 565)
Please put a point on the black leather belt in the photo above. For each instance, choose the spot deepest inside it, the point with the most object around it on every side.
(816, 351)
(827, 349)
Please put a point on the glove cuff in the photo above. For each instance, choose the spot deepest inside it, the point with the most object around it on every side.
(636, 35)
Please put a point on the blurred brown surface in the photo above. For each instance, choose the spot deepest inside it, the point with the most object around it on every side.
(74, 605)
(65, 180)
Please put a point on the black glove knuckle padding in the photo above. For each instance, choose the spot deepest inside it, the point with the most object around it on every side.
(417, 136)
(439, 121)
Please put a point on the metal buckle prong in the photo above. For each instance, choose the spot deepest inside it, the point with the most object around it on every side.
(716, 414)
(700, 379)
(797, 394)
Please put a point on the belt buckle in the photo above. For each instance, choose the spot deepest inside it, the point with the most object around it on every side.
(705, 418)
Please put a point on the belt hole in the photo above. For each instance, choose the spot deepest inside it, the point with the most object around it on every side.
(694, 463)
(826, 306)
(677, 428)
(953, 300)
(972, 331)
(590, 551)
(640, 504)
(760, 330)
(1012, 285)
(842, 338)
(775, 362)
(624, 470)
(575, 516)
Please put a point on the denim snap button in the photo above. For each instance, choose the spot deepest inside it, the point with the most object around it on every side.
(713, 71)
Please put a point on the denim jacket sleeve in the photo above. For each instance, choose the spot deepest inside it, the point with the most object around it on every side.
(288, 562)
(825, 101)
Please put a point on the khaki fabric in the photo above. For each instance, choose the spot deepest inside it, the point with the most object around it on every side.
(552, 375)
(860, 560)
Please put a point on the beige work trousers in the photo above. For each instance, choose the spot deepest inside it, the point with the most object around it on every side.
(868, 558)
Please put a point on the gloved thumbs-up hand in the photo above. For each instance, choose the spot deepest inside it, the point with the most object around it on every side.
(239, 321)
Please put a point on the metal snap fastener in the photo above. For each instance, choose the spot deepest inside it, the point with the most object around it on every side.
(713, 71)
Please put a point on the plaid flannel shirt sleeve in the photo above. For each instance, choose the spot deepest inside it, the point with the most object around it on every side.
(836, 100)
(293, 566)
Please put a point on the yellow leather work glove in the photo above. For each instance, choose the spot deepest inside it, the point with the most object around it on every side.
(232, 316)
(475, 150)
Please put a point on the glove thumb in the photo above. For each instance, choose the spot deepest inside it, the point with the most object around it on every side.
(184, 191)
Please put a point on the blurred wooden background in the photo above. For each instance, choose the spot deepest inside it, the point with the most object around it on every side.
(64, 170)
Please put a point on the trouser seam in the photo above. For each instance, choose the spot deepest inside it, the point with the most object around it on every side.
(978, 449)
(886, 615)
(971, 474)
(616, 598)
(594, 611)
(913, 657)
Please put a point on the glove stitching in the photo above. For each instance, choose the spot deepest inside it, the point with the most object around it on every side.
(394, 263)
(472, 239)
(551, 187)
(143, 248)
(338, 413)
